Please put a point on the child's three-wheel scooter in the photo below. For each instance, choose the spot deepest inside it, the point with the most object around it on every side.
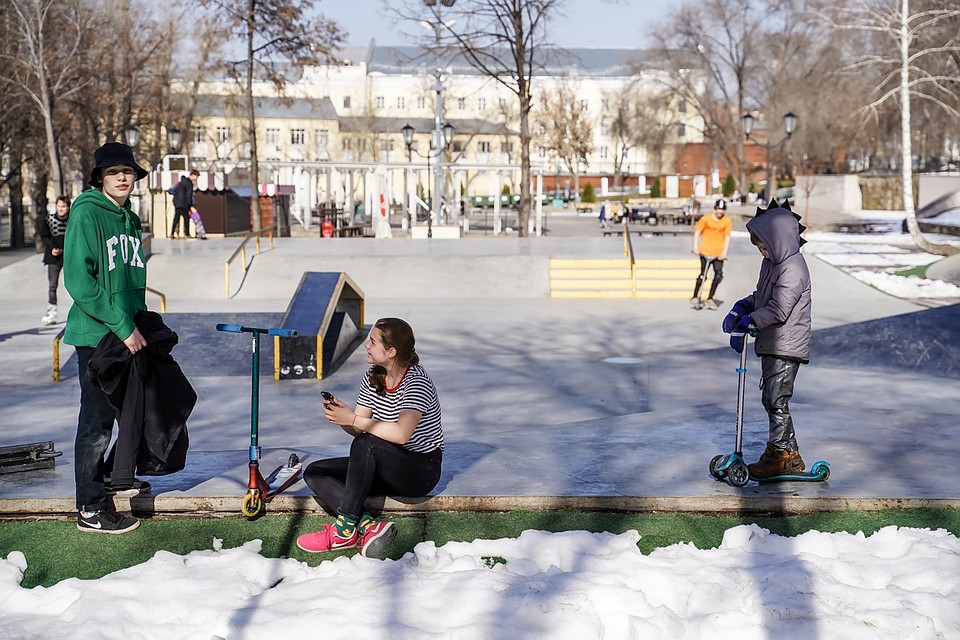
(262, 490)
(732, 468)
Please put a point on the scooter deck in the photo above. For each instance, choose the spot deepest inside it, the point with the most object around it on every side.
(282, 477)
(819, 472)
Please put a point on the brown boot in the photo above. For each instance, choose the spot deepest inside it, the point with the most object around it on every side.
(796, 463)
(775, 462)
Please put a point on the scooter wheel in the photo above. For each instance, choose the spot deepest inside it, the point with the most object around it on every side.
(821, 470)
(738, 475)
(293, 460)
(714, 464)
(252, 505)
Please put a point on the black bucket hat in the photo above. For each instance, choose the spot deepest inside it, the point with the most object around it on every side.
(114, 154)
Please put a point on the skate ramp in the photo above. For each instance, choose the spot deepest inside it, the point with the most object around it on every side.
(925, 341)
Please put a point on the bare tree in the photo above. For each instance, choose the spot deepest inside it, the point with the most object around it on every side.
(712, 62)
(909, 74)
(502, 40)
(274, 34)
(567, 133)
(44, 67)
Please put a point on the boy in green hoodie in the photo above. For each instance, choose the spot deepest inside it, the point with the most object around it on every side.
(105, 272)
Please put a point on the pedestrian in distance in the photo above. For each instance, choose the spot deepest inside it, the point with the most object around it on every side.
(711, 241)
(778, 312)
(53, 227)
(105, 271)
(182, 203)
(604, 209)
(397, 446)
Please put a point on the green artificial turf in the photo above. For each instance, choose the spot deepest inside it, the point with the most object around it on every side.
(56, 550)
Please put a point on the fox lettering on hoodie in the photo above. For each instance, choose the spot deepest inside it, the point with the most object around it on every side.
(104, 269)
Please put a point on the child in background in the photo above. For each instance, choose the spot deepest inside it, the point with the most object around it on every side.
(779, 311)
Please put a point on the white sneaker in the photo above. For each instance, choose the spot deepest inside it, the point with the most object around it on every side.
(50, 317)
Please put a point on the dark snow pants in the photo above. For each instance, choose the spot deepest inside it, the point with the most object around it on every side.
(776, 390)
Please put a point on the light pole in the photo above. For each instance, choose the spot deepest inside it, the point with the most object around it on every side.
(407, 131)
(447, 131)
(131, 135)
(789, 125)
(439, 129)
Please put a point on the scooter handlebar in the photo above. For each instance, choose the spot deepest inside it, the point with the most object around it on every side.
(236, 328)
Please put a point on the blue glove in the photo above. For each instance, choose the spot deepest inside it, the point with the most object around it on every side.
(737, 336)
(738, 310)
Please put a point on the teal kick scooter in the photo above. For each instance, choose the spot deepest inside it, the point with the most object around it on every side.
(732, 468)
(262, 490)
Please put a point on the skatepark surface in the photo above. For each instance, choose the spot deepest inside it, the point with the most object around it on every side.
(547, 403)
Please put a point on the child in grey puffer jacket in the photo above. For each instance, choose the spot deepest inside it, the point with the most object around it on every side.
(779, 312)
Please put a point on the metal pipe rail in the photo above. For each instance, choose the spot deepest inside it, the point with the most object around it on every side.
(242, 251)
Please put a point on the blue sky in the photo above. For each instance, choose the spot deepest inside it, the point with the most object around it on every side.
(586, 23)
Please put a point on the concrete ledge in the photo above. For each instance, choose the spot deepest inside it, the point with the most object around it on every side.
(194, 506)
(440, 232)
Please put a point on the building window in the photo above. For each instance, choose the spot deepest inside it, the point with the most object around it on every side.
(199, 134)
(461, 103)
(347, 144)
(381, 102)
(503, 103)
(386, 144)
(421, 102)
(541, 152)
(298, 136)
(401, 103)
(682, 106)
(507, 148)
(481, 103)
(604, 153)
(223, 135)
(681, 130)
(273, 136)
(346, 102)
(584, 104)
(457, 146)
(321, 137)
(483, 146)
(605, 104)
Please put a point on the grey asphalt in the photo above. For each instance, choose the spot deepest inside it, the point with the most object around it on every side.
(591, 404)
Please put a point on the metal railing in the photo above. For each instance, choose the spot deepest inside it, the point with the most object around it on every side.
(631, 257)
(242, 252)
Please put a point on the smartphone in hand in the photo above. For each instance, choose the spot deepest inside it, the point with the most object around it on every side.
(328, 398)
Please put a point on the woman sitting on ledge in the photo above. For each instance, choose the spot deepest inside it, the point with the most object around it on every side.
(397, 446)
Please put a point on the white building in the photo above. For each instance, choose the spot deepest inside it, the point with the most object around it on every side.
(336, 125)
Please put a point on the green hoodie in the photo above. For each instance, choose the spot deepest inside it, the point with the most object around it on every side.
(104, 269)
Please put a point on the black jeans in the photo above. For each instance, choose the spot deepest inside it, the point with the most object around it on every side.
(375, 467)
(94, 430)
(177, 214)
(776, 390)
(53, 281)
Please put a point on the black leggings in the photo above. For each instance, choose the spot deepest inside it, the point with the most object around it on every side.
(375, 467)
(717, 265)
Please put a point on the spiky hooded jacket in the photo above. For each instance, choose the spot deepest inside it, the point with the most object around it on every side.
(104, 269)
(781, 303)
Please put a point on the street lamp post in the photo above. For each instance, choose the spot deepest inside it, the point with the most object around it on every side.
(131, 135)
(789, 126)
(446, 138)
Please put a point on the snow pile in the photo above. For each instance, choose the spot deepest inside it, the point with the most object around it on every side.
(898, 583)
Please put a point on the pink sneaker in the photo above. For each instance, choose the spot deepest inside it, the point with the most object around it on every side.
(327, 539)
(376, 538)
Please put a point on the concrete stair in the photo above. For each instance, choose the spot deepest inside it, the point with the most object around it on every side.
(661, 279)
